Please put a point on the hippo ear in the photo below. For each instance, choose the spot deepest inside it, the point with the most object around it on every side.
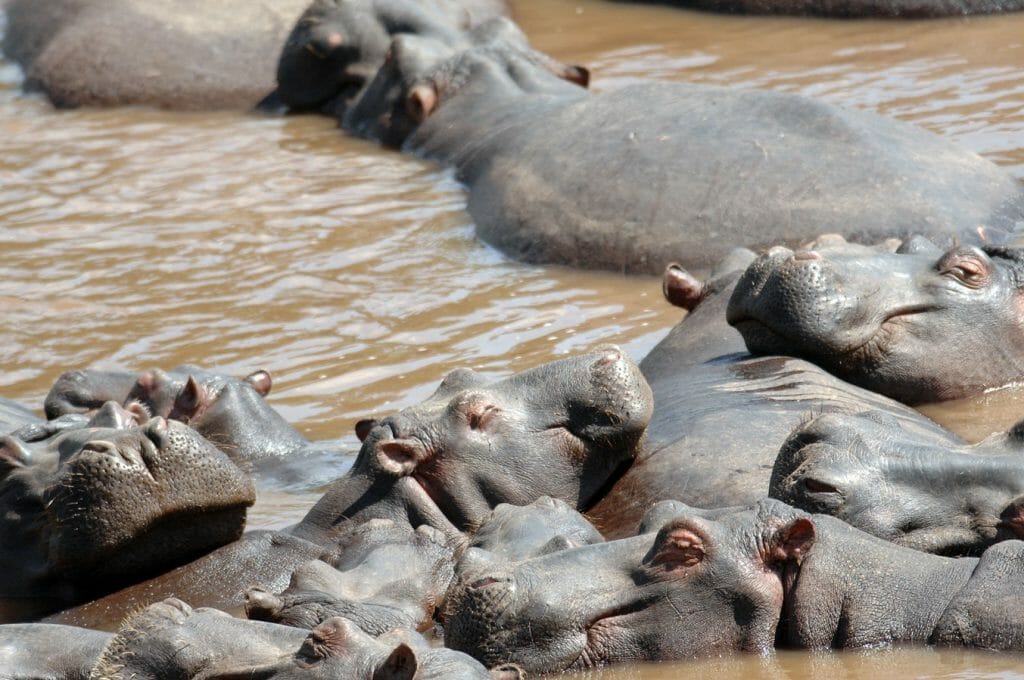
(363, 428)
(792, 541)
(577, 74)
(400, 456)
(189, 400)
(401, 664)
(260, 381)
(421, 102)
(13, 455)
(680, 544)
(681, 288)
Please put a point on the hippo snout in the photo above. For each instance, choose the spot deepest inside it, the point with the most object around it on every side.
(476, 614)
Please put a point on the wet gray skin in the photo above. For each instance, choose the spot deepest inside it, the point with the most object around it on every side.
(43, 651)
(380, 575)
(634, 178)
(928, 491)
(102, 505)
(919, 325)
(337, 45)
(171, 640)
(512, 533)
(744, 582)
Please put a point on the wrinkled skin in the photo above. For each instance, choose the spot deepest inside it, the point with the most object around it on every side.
(42, 651)
(95, 507)
(742, 582)
(925, 491)
(919, 325)
(704, 383)
(231, 413)
(904, 9)
(380, 575)
(175, 54)
(171, 640)
(565, 429)
(632, 179)
(337, 45)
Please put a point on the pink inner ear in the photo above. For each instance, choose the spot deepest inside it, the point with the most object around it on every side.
(400, 456)
(793, 541)
(260, 381)
(189, 400)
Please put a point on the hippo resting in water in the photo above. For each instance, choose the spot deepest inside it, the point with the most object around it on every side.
(93, 508)
(746, 581)
(229, 412)
(566, 429)
(632, 179)
(908, 9)
(919, 325)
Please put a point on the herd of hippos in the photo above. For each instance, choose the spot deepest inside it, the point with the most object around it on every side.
(758, 480)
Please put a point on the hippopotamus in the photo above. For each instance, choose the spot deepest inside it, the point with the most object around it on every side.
(517, 532)
(745, 581)
(928, 491)
(919, 325)
(45, 651)
(632, 179)
(566, 429)
(357, 579)
(97, 507)
(705, 383)
(171, 639)
(904, 9)
(230, 412)
(336, 46)
(175, 54)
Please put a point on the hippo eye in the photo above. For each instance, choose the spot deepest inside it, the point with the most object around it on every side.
(815, 486)
(970, 268)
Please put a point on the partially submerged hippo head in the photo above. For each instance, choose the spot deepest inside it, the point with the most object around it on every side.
(421, 73)
(695, 588)
(918, 325)
(512, 533)
(113, 501)
(170, 639)
(909, 488)
(380, 575)
(566, 429)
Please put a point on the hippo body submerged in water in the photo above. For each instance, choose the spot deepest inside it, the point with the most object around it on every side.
(632, 179)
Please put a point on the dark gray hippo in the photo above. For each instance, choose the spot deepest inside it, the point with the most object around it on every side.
(380, 575)
(93, 508)
(512, 533)
(919, 325)
(230, 412)
(337, 46)
(171, 640)
(746, 581)
(45, 651)
(566, 429)
(928, 491)
(904, 9)
(632, 179)
(177, 54)
(721, 414)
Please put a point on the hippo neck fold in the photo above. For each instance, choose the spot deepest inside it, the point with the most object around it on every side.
(854, 590)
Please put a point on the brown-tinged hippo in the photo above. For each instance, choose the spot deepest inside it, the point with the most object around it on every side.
(920, 324)
(176, 54)
(336, 46)
(93, 508)
(745, 581)
(632, 179)
(171, 640)
(380, 575)
(566, 429)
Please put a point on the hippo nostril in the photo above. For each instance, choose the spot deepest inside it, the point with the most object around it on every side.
(807, 255)
(484, 582)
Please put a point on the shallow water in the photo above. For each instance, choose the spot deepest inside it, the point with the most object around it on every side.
(138, 238)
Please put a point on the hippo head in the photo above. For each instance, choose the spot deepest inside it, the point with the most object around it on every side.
(906, 487)
(566, 429)
(512, 533)
(170, 639)
(115, 499)
(695, 588)
(918, 325)
(379, 574)
(420, 73)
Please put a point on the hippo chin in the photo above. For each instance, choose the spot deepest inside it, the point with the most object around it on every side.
(632, 179)
(919, 324)
(745, 581)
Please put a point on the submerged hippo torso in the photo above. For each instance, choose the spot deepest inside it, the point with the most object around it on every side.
(632, 179)
(721, 415)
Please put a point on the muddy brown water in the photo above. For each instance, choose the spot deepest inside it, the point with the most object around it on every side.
(138, 238)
